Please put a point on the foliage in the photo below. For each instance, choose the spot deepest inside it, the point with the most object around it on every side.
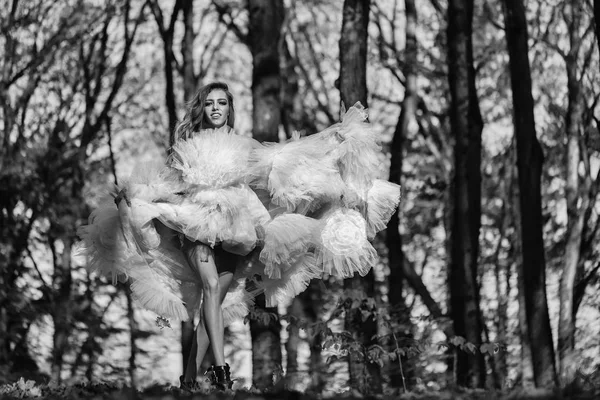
(116, 391)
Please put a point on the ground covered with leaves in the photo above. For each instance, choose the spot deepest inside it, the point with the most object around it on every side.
(23, 389)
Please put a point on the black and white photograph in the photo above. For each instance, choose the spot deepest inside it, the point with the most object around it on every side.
(312, 199)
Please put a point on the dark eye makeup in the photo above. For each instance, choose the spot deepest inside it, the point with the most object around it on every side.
(221, 102)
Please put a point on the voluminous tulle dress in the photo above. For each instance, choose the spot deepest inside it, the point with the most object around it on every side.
(307, 207)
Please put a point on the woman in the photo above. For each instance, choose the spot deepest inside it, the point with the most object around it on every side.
(311, 203)
(181, 230)
(212, 107)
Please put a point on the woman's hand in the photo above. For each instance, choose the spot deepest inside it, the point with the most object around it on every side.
(202, 252)
(196, 250)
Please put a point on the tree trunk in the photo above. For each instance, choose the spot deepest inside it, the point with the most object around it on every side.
(170, 86)
(187, 50)
(353, 52)
(167, 32)
(264, 35)
(466, 125)
(526, 371)
(529, 163)
(313, 299)
(566, 323)
(9, 266)
(502, 273)
(306, 307)
(62, 307)
(597, 21)
(266, 347)
(394, 240)
(189, 89)
(292, 373)
(133, 329)
(364, 376)
(448, 218)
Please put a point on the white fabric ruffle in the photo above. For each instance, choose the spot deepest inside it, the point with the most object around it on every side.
(382, 200)
(312, 203)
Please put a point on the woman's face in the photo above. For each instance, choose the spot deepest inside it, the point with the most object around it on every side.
(216, 108)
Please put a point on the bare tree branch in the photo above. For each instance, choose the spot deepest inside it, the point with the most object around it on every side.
(224, 10)
(35, 265)
(590, 51)
(92, 129)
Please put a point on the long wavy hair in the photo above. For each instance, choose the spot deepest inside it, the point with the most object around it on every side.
(193, 121)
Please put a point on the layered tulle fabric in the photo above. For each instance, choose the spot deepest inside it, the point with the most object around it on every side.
(335, 204)
(311, 205)
(216, 205)
(112, 243)
(382, 199)
(213, 159)
(293, 280)
(200, 195)
(300, 176)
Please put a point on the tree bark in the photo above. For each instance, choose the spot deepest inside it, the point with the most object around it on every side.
(353, 52)
(597, 21)
(187, 50)
(575, 215)
(530, 158)
(167, 32)
(393, 239)
(313, 299)
(526, 371)
(466, 125)
(502, 272)
(266, 347)
(133, 330)
(364, 376)
(292, 373)
(189, 89)
(306, 307)
(294, 114)
(62, 307)
(264, 35)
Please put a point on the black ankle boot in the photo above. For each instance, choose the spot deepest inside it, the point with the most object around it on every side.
(220, 376)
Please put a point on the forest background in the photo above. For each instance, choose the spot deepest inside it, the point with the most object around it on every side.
(488, 115)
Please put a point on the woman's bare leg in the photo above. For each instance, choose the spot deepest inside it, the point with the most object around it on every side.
(210, 332)
(208, 353)
(201, 353)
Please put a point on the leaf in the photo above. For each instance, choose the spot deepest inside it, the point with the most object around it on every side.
(328, 343)
(370, 302)
(488, 348)
(471, 347)
(365, 315)
(458, 341)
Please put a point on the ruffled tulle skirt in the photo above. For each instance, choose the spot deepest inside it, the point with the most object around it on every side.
(312, 204)
(149, 255)
(201, 196)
